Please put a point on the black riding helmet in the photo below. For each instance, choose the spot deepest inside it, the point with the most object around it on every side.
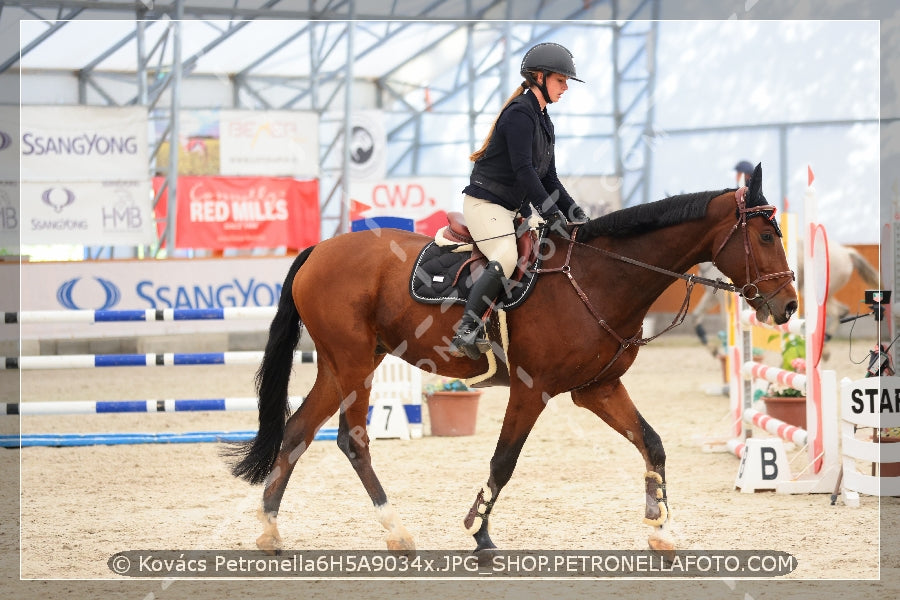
(547, 58)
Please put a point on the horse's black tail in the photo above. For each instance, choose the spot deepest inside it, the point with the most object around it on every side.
(256, 457)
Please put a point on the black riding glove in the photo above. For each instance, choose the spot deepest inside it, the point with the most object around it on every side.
(555, 222)
(577, 215)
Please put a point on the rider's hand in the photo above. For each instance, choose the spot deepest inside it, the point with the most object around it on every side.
(555, 222)
(577, 215)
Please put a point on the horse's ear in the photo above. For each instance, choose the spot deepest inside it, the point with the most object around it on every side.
(755, 185)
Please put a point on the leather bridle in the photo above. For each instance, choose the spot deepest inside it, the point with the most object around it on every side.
(750, 290)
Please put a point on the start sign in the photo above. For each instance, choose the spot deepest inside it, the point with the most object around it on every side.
(872, 402)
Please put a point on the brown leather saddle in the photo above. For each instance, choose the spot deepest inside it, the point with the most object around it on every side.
(457, 232)
(446, 269)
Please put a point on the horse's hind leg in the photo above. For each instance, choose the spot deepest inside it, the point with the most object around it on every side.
(319, 405)
(613, 404)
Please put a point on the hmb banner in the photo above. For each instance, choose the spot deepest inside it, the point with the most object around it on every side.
(87, 213)
(244, 212)
(85, 176)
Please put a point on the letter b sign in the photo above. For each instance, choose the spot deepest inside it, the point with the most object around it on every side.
(763, 465)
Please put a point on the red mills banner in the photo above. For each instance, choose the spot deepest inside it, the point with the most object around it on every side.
(243, 212)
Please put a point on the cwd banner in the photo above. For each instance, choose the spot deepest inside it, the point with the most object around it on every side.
(243, 212)
(273, 142)
(416, 204)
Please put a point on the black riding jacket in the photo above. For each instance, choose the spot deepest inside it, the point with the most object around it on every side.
(518, 168)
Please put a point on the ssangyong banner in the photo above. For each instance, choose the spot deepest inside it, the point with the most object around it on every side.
(243, 212)
(156, 284)
(90, 213)
(274, 143)
(147, 284)
(84, 143)
(415, 204)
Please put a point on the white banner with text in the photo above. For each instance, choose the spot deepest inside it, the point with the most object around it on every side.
(84, 143)
(89, 213)
(148, 284)
(276, 143)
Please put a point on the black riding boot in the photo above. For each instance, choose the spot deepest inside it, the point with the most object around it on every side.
(469, 339)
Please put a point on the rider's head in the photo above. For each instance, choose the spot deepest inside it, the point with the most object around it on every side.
(742, 172)
(547, 67)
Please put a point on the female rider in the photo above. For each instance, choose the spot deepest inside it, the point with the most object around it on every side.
(514, 169)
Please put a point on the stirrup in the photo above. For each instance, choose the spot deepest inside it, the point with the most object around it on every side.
(469, 343)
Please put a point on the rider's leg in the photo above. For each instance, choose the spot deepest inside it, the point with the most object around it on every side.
(492, 227)
(470, 339)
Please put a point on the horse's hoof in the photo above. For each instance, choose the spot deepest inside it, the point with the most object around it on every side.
(403, 545)
(485, 556)
(269, 544)
(662, 544)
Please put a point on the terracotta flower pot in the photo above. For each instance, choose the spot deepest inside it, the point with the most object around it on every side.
(452, 413)
(790, 409)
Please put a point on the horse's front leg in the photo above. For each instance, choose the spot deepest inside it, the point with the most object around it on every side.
(612, 403)
(522, 411)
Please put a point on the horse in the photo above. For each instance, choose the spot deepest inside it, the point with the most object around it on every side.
(843, 261)
(578, 332)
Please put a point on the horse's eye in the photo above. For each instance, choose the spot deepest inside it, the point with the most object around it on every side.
(767, 237)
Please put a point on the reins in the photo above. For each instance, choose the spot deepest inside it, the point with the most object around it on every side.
(718, 284)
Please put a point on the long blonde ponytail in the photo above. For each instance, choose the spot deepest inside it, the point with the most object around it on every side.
(480, 152)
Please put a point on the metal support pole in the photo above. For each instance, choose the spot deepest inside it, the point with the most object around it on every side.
(617, 105)
(140, 40)
(649, 130)
(314, 63)
(470, 86)
(344, 225)
(172, 206)
(505, 75)
(782, 167)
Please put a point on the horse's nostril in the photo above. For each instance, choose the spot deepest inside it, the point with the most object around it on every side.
(790, 308)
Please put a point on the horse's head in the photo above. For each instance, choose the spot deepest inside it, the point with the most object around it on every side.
(748, 249)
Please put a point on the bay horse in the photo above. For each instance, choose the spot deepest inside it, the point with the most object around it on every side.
(578, 332)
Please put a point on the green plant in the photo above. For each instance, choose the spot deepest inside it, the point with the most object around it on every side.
(793, 347)
(444, 384)
(793, 358)
(780, 391)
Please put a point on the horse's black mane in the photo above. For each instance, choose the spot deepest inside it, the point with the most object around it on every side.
(648, 217)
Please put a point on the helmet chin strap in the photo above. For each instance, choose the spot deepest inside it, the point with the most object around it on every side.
(543, 87)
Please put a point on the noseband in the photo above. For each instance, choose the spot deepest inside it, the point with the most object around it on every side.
(750, 290)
